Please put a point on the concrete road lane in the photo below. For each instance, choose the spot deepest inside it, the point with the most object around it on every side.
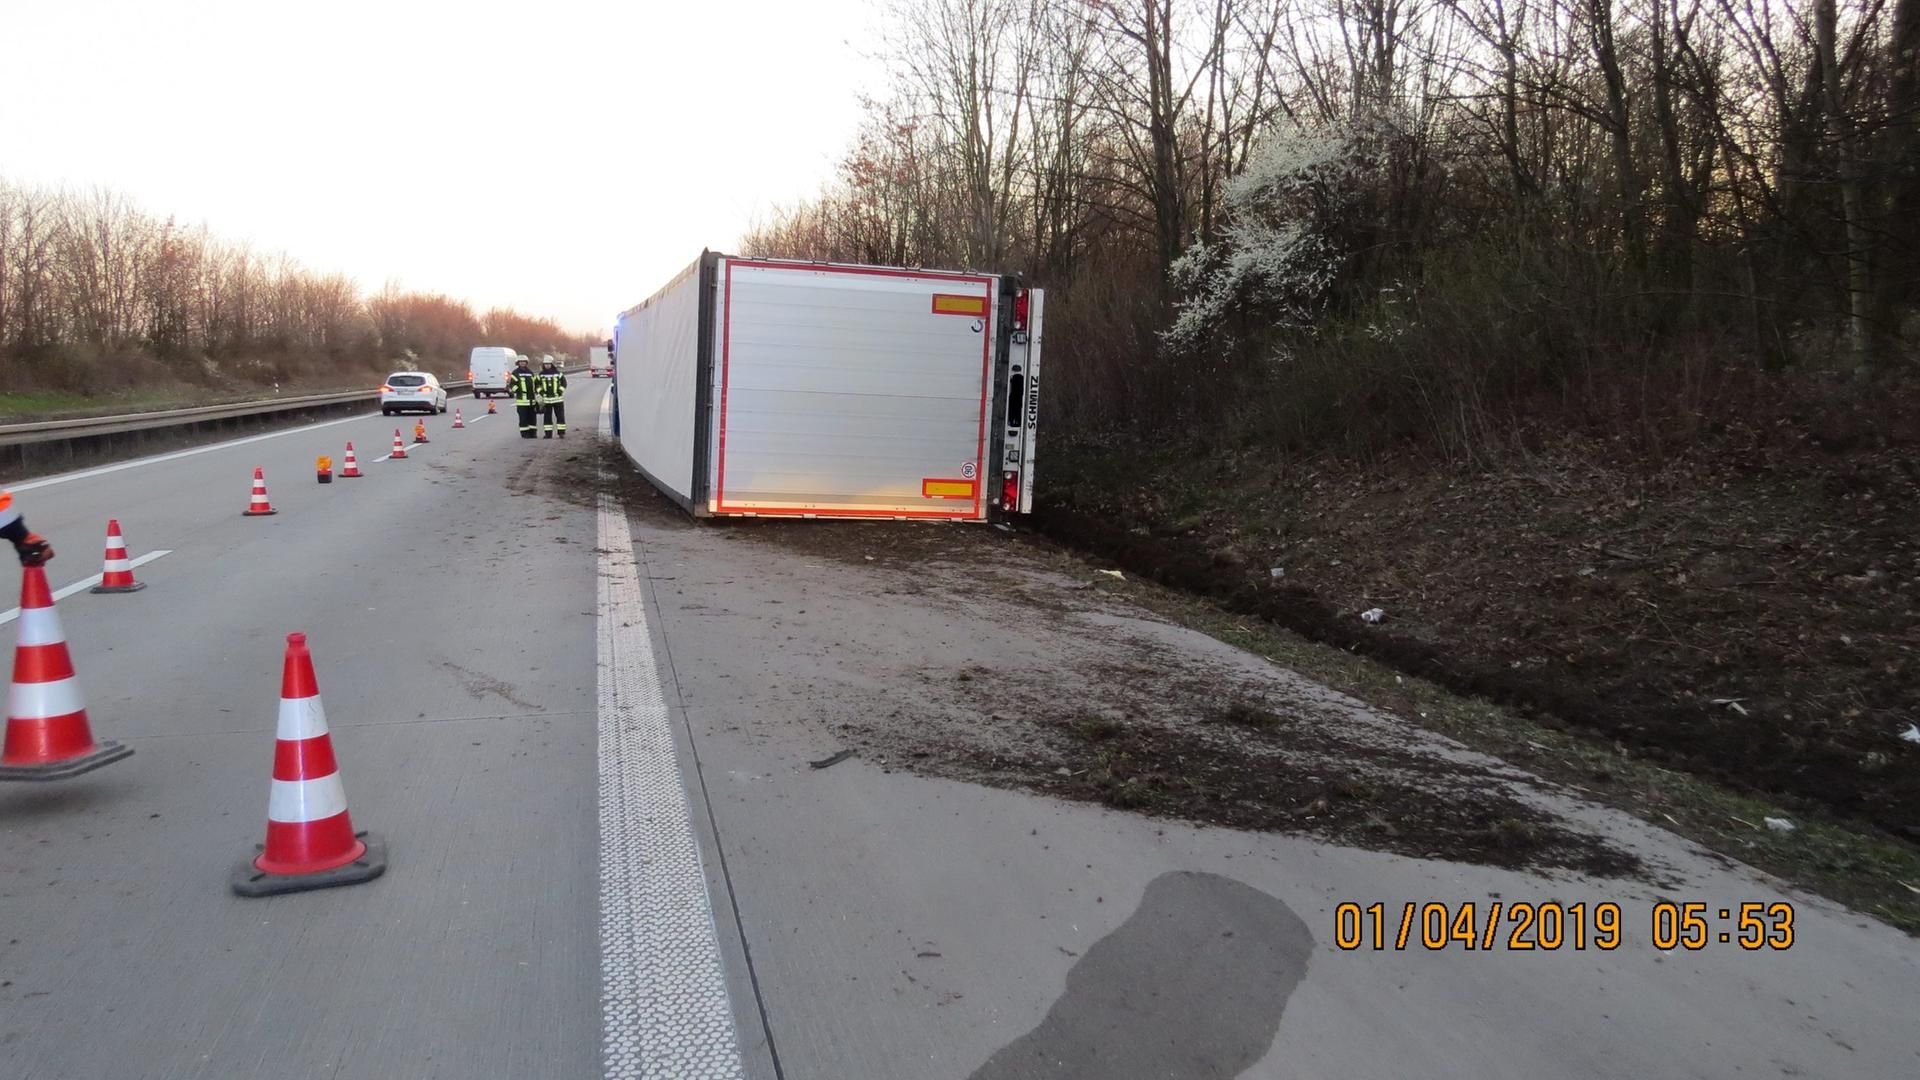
(449, 601)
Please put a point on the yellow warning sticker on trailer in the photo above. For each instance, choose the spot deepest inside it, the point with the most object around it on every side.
(951, 304)
(947, 489)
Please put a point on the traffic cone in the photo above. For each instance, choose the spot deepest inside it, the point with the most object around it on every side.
(257, 505)
(350, 470)
(419, 431)
(117, 577)
(47, 733)
(399, 447)
(458, 422)
(310, 839)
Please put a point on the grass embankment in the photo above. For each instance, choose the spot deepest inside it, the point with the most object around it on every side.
(1706, 639)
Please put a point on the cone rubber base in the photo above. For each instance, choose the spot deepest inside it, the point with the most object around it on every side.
(258, 513)
(135, 587)
(105, 752)
(249, 880)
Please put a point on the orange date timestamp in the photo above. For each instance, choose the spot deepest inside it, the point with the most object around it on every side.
(1551, 926)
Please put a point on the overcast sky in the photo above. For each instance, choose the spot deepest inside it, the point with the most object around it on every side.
(563, 156)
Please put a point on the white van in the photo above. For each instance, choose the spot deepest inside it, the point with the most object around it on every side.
(490, 365)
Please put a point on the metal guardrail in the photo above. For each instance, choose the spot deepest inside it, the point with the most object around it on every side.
(83, 427)
(54, 430)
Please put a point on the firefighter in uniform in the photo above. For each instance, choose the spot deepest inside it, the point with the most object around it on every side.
(32, 549)
(553, 401)
(525, 387)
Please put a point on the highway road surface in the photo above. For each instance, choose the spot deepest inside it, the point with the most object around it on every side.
(584, 728)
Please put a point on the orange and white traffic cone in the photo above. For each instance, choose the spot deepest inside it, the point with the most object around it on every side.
(117, 576)
(310, 839)
(458, 422)
(48, 737)
(350, 470)
(257, 504)
(419, 431)
(399, 447)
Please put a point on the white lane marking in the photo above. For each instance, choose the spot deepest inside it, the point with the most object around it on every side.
(663, 994)
(11, 614)
(178, 454)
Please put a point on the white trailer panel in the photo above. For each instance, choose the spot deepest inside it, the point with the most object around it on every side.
(753, 387)
(852, 392)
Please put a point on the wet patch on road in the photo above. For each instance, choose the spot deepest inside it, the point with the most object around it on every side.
(1193, 984)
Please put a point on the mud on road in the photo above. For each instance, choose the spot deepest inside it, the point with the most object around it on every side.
(1059, 688)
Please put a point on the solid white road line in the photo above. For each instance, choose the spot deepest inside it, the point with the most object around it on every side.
(663, 992)
(178, 454)
(13, 613)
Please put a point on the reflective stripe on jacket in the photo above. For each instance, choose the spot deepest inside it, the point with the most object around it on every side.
(524, 385)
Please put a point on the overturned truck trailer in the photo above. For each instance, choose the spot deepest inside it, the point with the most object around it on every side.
(752, 387)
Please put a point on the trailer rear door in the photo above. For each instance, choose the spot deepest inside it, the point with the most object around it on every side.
(852, 391)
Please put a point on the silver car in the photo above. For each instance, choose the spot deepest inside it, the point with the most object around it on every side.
(412, 391)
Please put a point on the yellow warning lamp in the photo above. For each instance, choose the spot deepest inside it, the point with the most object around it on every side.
(323, 468)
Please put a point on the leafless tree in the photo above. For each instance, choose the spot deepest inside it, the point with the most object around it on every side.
(97, 294)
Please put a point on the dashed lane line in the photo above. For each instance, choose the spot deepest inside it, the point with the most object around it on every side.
(13, 613)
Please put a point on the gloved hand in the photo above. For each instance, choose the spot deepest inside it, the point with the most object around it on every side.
(34, 550)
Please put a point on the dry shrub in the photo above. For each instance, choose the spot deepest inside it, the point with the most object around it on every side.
(1494, 344)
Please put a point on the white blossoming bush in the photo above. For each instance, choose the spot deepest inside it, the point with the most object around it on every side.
(1278, 257)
